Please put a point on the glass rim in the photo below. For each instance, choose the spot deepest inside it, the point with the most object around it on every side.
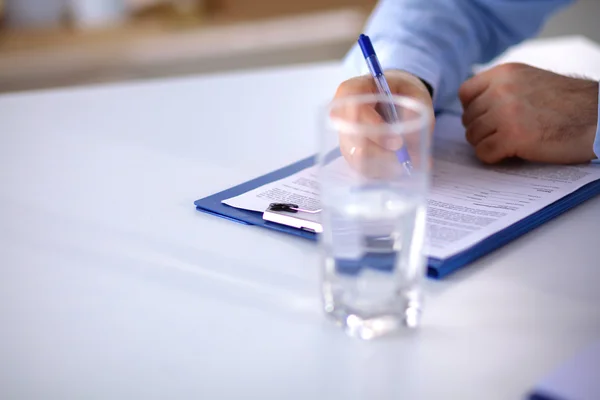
(399, 127)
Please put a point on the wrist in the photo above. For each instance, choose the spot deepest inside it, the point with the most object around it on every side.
(411, 86)
(428, 86)
(401, 56)
(423, 88)
(590, 120)
(596, 145)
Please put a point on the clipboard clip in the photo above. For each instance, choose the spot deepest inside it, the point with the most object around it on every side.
(290, 207)
(290, 214)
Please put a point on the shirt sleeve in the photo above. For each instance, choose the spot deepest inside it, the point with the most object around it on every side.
(439, 41)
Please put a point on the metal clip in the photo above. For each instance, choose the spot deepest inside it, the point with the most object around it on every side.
(290, 207)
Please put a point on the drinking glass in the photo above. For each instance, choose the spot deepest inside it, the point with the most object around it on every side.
(373, 170)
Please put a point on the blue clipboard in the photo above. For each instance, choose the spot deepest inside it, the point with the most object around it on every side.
(437, 268)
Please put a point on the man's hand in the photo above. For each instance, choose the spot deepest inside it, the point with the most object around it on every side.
(515, 110)
(357, 150)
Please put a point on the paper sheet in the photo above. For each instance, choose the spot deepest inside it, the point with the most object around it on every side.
(467, 201)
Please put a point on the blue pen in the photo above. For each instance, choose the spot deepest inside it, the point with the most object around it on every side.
(390, 113)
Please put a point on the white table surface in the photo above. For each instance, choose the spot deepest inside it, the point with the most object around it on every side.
(113, 286)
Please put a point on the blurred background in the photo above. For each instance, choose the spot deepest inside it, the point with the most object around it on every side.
(54, 43)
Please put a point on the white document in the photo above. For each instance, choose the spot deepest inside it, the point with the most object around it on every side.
(300, 189)
(467, 201)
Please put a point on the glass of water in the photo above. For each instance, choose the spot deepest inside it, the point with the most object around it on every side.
(373, 170)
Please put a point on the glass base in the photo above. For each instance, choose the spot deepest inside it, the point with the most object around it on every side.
(369, 327)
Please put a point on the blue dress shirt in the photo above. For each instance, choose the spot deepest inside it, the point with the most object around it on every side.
(439, 41)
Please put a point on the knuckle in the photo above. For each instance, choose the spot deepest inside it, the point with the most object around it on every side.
(478, 126)
(504, 89)
(491, 151)
(517, 134)
(465, 120)
(353, 86)
(344, 88)
(515, 108)
(464, 90)
(511, 110)
(510, 67)
(470, 136)
(485, 153)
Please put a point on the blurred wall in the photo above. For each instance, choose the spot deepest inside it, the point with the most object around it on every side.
(229, 35)
(582, 18)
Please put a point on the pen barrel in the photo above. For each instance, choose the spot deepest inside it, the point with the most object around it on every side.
(374, 66)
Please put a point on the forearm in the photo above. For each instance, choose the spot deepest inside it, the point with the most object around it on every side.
(440, 40)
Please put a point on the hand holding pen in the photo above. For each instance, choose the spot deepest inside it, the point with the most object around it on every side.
(394, 82)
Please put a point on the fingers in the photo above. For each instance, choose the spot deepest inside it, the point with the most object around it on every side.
(476, 108)
(493, 149)
(355, 86)
(356, 148)
(490, 145)
(353, 113)
(473, 88)
(366, 157)
(480, 129)
(480, 121)
(368, 116)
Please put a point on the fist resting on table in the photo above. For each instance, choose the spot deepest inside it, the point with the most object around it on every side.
(516, 110)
